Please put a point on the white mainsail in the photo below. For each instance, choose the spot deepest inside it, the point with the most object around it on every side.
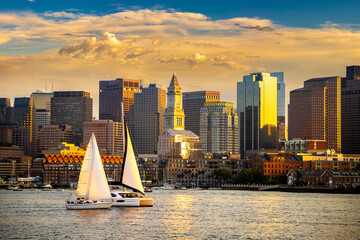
(92, 182)
(130, 173)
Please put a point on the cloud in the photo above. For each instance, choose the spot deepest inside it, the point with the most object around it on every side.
(76, 50)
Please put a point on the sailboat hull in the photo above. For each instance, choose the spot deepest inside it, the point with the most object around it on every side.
(146, 202)
(89, 206)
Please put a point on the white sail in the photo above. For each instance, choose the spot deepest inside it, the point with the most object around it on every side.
(92, 182)
(130, 175)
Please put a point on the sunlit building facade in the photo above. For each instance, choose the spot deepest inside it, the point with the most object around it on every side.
(192, 103)
(42, 103)
(50, 137)
(219, 128)
(174, 116)
(257, 112)
(281, 129)
(112, 94)
(24, 135)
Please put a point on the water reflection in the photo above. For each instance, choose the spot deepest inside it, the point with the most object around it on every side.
(179, 219)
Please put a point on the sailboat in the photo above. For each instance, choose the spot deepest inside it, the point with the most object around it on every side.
(130, 178)
(92, 191)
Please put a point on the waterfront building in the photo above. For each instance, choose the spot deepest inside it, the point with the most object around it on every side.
(15, 166)
(72, 108)
(350, 111)
(200, 170)
(257, 112)
(174, 112)
(326, 177)
(275, 164)
(330, 160)
(192, 103)
(109, 136)
(281, 129)
(315, 111)
(112, 94)
(219, 128)
(148, 167)
(50, 137)
(147, 119)
(65, 169)
(24, 134)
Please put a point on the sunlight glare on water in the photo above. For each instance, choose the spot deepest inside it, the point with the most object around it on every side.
(184, 214)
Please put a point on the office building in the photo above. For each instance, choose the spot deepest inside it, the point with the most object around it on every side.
(50, 137)
(350, 111)
(147, 118)
(315, 111)
(24, 133)
(72, 108)
(109, 136)
(281, 127)
(192, 103)
(257, 112)
(219, 128)
(112, 94)
(42, 103)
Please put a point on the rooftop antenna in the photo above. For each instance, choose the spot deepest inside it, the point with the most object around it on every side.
(52, 87)
(45, 86)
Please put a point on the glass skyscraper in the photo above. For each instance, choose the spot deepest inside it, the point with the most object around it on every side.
(281, 129)
(257, 112)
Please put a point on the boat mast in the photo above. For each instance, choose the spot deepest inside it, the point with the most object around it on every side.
(123, 134)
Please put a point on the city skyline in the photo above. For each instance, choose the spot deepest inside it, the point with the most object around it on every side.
(74, 48)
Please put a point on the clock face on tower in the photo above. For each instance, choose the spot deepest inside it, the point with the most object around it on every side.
(171, 100)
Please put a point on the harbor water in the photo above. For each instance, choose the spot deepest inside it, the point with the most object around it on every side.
(184, 214)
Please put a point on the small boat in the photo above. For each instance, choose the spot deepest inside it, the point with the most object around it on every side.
(130, 178)
(167, 187)
(92, 191)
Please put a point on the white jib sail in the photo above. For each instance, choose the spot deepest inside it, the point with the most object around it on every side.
(130, 175)
(92, 182)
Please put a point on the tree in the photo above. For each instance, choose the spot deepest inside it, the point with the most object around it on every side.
(222, 174)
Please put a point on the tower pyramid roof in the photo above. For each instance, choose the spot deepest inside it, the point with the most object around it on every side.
(174, 84)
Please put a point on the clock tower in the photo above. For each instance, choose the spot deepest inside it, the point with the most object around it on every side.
(174, 117)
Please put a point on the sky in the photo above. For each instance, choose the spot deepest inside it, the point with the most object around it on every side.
(210, 45)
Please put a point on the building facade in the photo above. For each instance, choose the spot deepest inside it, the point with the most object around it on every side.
(50, 137)
(281, 129)
(257, 112)
(192, 103)
(219, 128)
(24, 135)
(147, 118)
(109, 136)
(112, 94)
(72, 108)
(350, 111)
(315, 111)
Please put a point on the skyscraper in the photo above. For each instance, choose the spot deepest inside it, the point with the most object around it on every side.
(50, 137)
(72, 108)
(112, 94)
(109, 136)
(281, 131)
(174, 113)
(42, 103)
(24, 135)
(350, 111)
(257, 112)
(147, 118)
(315, 111)
(219, 128)
(193, 102)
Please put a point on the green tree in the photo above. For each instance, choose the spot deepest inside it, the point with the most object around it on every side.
(222, 174)
(147, 177)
